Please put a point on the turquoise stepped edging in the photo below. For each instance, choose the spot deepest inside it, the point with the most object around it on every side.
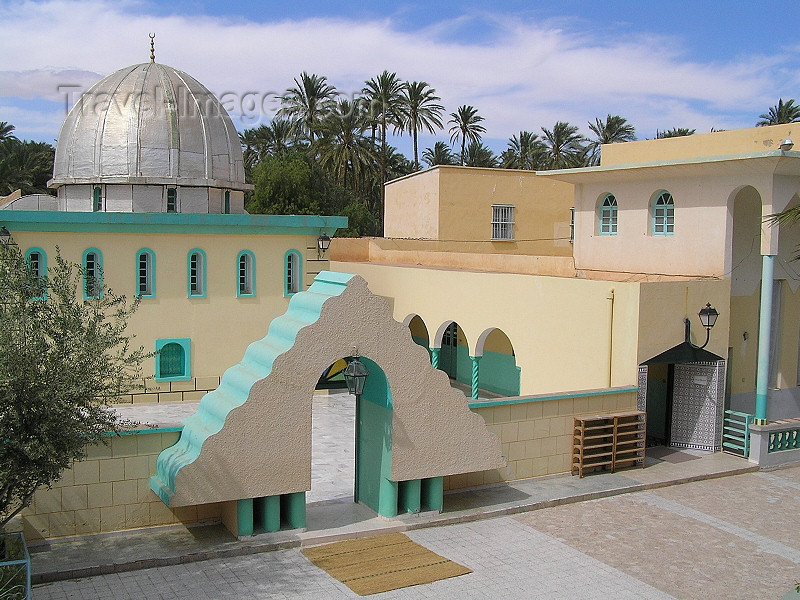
(234, 388)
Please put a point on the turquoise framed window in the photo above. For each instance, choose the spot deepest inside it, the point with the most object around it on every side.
(97, 199)
(292, 273)
(246, 274)
(607, 218)
(36, 258)
(173, 359)
(172, 200)
(664, 214)
(92, 274)
(226, 207)
(146, 273)
(196, 280)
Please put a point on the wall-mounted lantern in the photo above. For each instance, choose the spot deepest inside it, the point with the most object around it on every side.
(323, 243)
(355, 375)
(708, 317)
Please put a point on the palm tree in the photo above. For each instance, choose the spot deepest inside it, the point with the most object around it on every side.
(344, 150)
(276, 138)
(465, 126)
(420, 110)
(25, 166)
(614, 130)
(7, 129)
(564, 147)
(384, 95)
(307, 102)
(440, 154)
(674, 132)
(780, 114)
(523, 152)
(478, 155)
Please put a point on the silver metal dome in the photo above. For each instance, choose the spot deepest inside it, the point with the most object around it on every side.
(149, 124)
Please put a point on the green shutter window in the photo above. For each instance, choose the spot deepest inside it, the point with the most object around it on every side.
(292, 273)
(92, 275)
(97, 199)
(37, 265)
(246, 279)
(608, 216)
(172, 361)
(227, 207)
(145, 274)
(664, 215)
(197, 274)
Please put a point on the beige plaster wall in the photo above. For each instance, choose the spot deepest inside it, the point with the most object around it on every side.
(109, 491)
(220, 325)
(560, 328)
(264, 447)
(460, 199)
(412, 206)
(721, 143)
(537, 436)
(664, 306)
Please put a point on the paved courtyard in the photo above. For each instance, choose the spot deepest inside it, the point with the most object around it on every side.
(731, 537)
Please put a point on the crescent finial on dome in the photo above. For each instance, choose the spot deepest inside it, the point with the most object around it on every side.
(152, 47)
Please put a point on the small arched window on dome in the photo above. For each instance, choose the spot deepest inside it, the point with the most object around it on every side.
(607, 219)
(664, 214)
(146, 273)
(172, 200)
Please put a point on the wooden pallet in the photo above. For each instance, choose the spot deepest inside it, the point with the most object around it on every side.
(609, 441)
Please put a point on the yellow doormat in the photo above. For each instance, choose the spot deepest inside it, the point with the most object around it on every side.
(382, 563)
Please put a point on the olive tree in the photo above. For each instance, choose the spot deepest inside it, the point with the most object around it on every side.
(63, 361)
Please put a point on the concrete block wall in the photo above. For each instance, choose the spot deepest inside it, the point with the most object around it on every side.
(173, 391)
(109, 491)
(536, 435)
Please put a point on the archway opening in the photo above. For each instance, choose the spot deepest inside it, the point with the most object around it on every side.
(499, 373)
(454, 354)
(419, 332)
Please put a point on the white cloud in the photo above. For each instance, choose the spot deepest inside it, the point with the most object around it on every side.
(520, 75)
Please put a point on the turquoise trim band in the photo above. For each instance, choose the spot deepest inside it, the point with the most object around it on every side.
(143, 431)
(111, 222)
(546, 397)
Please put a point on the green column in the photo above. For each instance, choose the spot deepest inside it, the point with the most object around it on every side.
(293, 508)
(244, 517)
(764, 342)
(433, 493)
(435, 357)
(475, 375)
(409, 493)
(270, 517)
(387, 499)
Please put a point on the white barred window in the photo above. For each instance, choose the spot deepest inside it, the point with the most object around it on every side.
(502, 222)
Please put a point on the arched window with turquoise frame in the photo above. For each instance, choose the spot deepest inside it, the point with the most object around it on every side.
(245, 274)
(292, 273)
(663, 214)
(92, 274)
(173, 359)
(146, 273)
(36, 259)
(607, 215)
(196, 273)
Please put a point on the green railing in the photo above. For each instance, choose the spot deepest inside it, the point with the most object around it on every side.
(736, 433)
(784, 440)
(15, 568)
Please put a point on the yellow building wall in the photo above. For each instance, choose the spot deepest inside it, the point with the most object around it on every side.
(721, 143)
(220, 325)
(453, 205)
(537, 436)
(665, 304)
(559, 328)
(109, 491)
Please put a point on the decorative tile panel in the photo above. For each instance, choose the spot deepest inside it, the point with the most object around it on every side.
(641, 396)
(698, 405)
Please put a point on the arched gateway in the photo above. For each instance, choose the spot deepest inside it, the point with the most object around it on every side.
(250, 439)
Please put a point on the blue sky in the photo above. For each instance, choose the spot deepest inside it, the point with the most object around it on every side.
(523, 65)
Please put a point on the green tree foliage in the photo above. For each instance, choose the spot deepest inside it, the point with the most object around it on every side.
(62, 362)
(24, 165)
(440, 154)
(523, 152)
(564, 147)
(344, 149)
(419, 109)
(674, 132)
(307, 102)
(284, 185)
(478, 155)
(781, 113)
(613, 130)
(465, 125)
